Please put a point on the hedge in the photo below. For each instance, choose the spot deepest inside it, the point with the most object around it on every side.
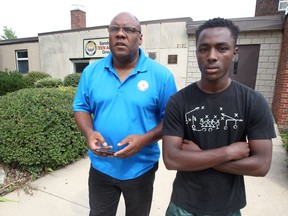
(38, 131)
(11, 81)
(72, 79)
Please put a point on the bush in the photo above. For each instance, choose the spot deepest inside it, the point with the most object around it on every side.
(284, 137)
(48, 83)
(33, 76)
(37, 129)
(72, 79)
(11, 81)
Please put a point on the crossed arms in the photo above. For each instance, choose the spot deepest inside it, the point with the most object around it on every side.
(239, 158)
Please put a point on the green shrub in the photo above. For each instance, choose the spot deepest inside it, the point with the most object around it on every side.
(284, 137)
(11, 81)
(37, 129)
(48, 83)
(34, 76)
(72, 79)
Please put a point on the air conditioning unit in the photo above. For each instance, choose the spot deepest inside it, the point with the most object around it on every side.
(282, 5)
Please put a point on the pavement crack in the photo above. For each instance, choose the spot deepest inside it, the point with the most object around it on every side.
(54, 195)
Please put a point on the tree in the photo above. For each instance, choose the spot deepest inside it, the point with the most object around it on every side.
(8, 34)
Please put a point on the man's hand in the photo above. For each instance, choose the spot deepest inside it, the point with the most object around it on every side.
(238, 150)
(95, 142)
(134, 143)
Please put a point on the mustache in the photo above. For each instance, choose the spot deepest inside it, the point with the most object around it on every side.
(120, 44)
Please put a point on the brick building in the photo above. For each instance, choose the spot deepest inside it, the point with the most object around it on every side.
(269, 31)
(262, 63)
(280, 96)
(280, 100)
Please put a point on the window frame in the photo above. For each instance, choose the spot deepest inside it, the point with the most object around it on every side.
(22, 59)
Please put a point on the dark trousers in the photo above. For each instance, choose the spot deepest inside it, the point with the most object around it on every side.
(174, 210)
(105, 191)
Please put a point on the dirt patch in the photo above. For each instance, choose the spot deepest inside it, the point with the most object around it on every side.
(15, 179)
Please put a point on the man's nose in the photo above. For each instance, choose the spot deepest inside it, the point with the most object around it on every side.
(121, 31)
(212, 54)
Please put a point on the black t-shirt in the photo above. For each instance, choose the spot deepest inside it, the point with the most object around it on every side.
(215, 120)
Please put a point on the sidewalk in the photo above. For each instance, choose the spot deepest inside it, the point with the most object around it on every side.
(65, 192)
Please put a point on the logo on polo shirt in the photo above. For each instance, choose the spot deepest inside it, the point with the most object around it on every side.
(143, 85)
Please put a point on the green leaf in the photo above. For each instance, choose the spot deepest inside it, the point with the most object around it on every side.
(3, 199)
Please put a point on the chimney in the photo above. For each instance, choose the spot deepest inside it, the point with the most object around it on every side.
(78, 17)
(266, 7)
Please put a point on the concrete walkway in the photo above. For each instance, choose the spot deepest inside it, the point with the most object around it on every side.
(64, 192)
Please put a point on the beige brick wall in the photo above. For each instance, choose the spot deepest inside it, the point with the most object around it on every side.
(270, 43)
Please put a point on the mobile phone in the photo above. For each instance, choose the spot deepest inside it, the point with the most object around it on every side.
(104, 152)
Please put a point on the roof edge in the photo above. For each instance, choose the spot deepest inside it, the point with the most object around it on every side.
(181, 19)
(259, 23)
(19, 40)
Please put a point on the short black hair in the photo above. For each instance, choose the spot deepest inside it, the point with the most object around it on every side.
(219, 22)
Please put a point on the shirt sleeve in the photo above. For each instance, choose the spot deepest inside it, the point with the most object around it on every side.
(261, 123)
(169, 88)
(173, 120)
(81, 101)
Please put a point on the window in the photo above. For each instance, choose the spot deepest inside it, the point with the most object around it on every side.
(79, 65)
(22, 61)
(152, 55)
(172, 59)
(282, 5)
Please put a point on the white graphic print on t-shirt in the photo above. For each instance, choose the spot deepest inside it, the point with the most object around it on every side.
(209, 122)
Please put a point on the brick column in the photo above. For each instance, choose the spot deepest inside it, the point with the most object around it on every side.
(280, 100)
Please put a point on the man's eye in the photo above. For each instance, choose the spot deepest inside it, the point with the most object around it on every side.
(223, 49)
(202, 50)
(128, 29)
(114, 29)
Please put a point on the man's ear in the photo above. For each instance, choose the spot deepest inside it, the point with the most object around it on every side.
(140, 39)
(235, 54)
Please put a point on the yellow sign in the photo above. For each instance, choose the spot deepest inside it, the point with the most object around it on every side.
(96, 48)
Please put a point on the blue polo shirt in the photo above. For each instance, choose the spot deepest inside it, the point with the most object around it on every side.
(119, 109)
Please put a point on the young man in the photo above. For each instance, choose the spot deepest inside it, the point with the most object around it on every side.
(119, 106)
(215, 131)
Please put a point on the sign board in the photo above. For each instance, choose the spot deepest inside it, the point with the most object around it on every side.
(96, 48)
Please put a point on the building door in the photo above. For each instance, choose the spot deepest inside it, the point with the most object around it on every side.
(245, 66)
